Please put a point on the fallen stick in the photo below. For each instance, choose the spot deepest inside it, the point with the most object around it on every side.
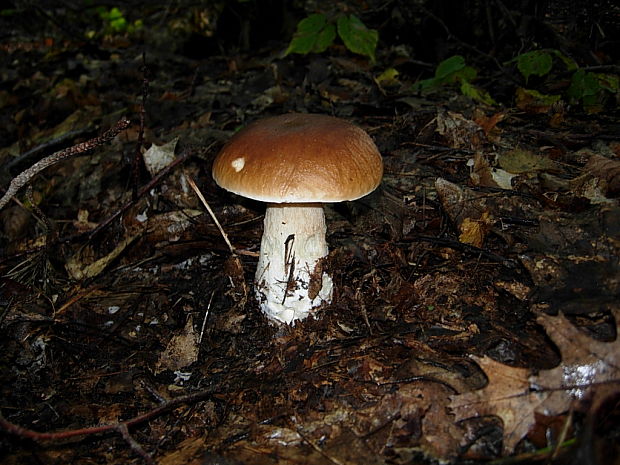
(22, 178)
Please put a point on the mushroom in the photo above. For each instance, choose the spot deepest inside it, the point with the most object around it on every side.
(295, 163)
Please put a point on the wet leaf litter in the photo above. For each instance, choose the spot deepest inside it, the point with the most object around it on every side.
(475, 306)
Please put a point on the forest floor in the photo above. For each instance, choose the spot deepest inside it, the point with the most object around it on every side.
(476, 291)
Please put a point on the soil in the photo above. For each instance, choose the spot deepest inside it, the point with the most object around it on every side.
(120, 297)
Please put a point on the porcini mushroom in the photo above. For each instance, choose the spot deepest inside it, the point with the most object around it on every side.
(295, 163)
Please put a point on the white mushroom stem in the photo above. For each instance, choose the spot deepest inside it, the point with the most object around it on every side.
(290, 280)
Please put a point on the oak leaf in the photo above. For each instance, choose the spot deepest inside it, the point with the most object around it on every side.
(590, 370)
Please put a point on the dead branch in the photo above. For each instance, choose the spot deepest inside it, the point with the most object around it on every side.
(135, 167)
(238, 267)
(151, 184)
(105, 223)
(215, 220)
(25, 176)
(25, 433)
(134, 445)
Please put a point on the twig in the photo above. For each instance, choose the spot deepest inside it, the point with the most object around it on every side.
(204, 320)
(508, 263)
(36, 436)
(134, 445)
(152, 183)
(135, 168)
(235, 258)
(311, 443)
(45, 146)
(22, 179)
(215, 220)
(105, 223)
(50, 230)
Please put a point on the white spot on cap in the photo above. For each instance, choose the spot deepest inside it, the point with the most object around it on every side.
(238, 164)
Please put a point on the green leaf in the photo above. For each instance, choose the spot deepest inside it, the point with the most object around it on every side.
(118, 24)
(583, 84)
(449, 66)
(314, 34)
(609, 82)
(357, 37)
(115, 13)
(466, 74)
(536, 62)
(587, 88)
(453, 70)
(570, 64)
(325, 38)
(479, 95)
(538, 97)
(388, 77)
(425, 84)
(449, 71)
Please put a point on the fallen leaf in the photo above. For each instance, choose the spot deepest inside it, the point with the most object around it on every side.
(157, 157)
(181, 351)
(606, 169)
(459, 132)
(79, 270)
(189, 452)
(532, 101)
(468, 210)
(473, 231)
(489, 123)
(507, 395)
(519, 161)
(483, 174)
(589, 369)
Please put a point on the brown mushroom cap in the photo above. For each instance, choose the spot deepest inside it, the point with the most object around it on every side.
(299, 158)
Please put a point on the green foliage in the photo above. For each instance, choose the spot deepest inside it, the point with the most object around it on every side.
(536, 62)
(451, 70)
(476, 93)
(316, 32)
(357, 37)
(454, 70)
(589, 89)
(114, 22)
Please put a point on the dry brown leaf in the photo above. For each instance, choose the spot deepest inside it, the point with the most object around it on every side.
(181, 351)
(489, 123)
(507, 395)
(589, 368)
(609, 170)
(459, 132)
(473, 231)
(157, 157)
(467, 210)
(483, 174)
(189, 452)
(78, 269)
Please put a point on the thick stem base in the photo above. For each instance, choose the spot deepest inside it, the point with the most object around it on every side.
(290, 281)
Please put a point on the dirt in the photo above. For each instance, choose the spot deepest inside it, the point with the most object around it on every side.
(118, 299)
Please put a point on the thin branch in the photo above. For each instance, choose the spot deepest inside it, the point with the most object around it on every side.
(46, 146)
(22, 179)
(105, 223)
(215, 220)
(135, 168)
(235, 258)
(134, 445)
(36, 436)
(151, 184)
